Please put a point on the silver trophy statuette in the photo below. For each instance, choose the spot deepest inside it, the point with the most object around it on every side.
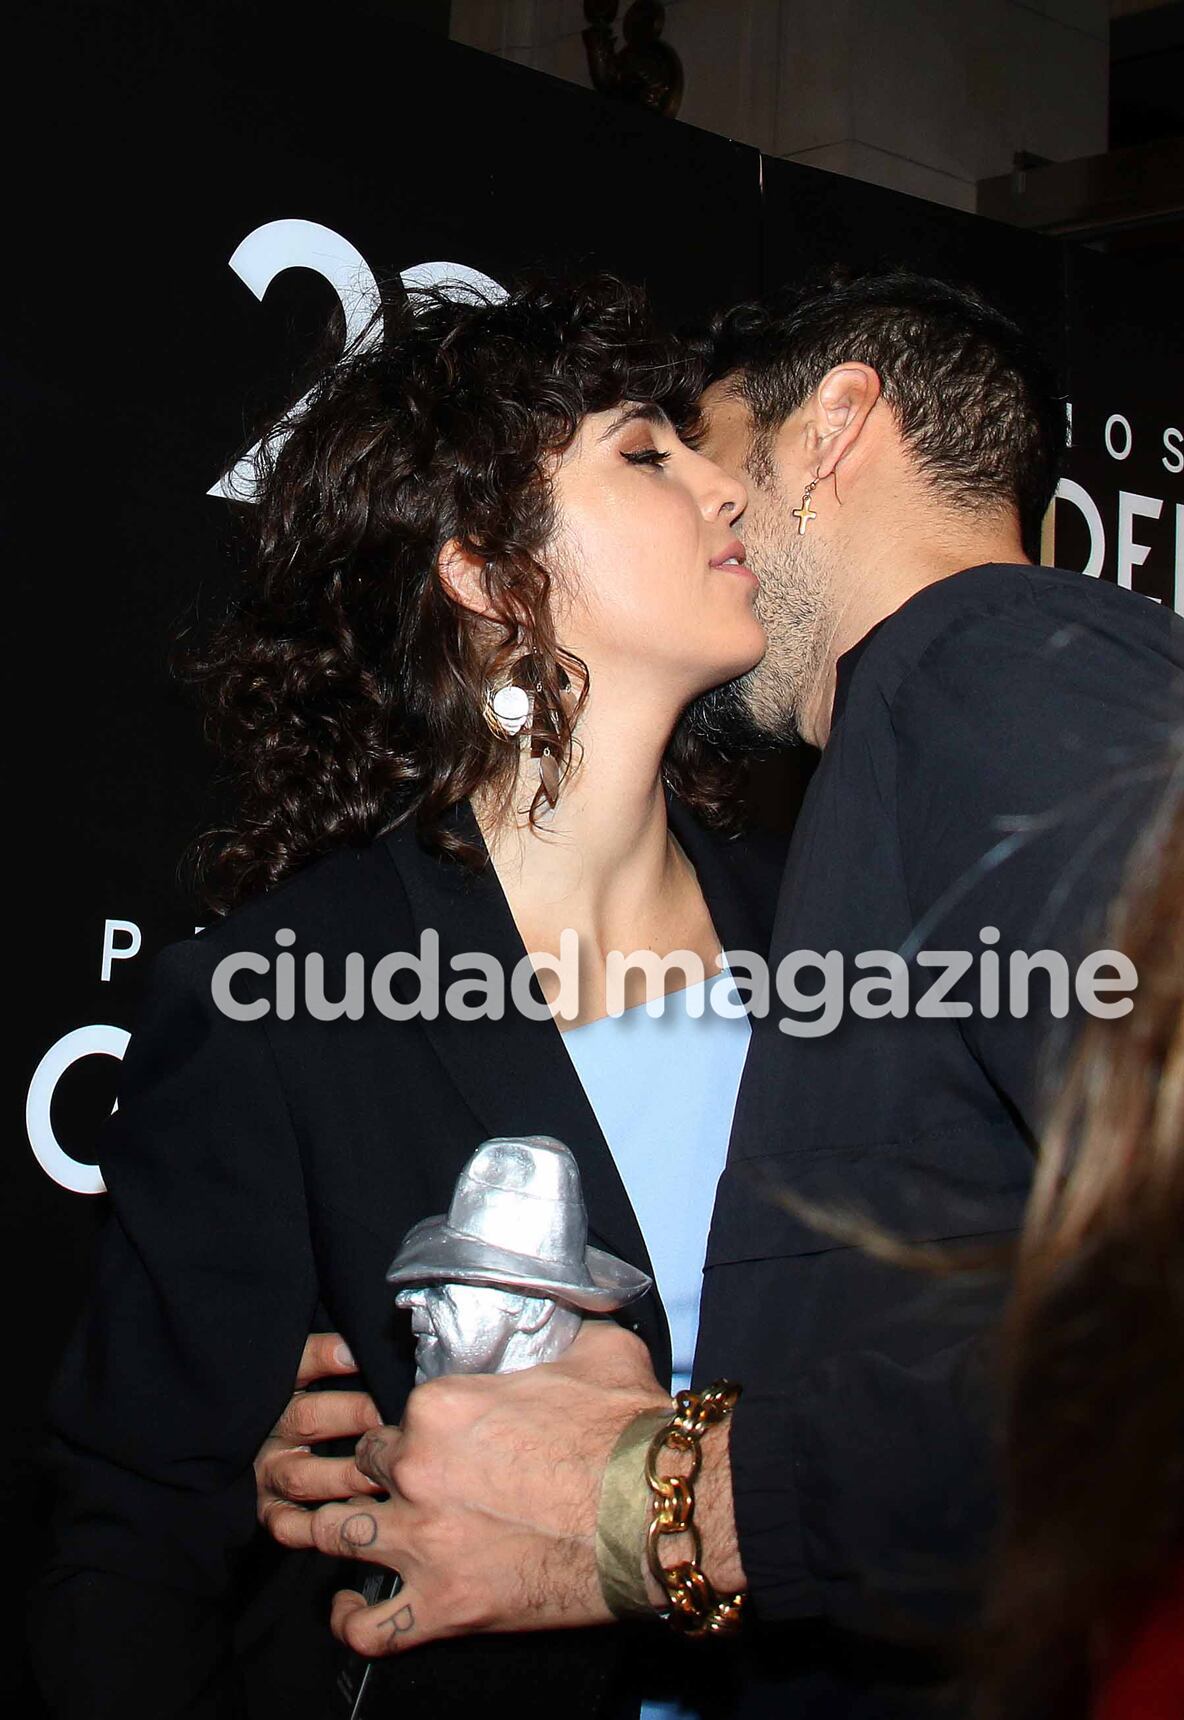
(503, 1279)
(499, 1282)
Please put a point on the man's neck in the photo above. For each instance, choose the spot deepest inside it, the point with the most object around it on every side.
(882, 584)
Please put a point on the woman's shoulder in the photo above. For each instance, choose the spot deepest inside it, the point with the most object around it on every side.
(347, 899)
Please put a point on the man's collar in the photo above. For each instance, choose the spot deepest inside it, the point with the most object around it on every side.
(845, 668)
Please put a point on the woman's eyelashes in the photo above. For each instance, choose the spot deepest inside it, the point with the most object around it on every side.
(646, 456)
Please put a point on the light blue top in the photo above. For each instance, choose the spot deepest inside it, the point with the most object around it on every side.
(664, 1090)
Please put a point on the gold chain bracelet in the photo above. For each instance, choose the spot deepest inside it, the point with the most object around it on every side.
(695, 1607)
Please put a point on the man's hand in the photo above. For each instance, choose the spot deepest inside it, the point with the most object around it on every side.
(288, 1478)
(494, 1484)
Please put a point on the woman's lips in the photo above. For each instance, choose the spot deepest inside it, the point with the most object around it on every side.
(731, 552)
(731, 559)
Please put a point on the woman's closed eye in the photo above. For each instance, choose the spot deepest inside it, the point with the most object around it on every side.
(646, 456)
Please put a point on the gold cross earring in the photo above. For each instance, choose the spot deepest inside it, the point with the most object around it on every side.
(805, 513)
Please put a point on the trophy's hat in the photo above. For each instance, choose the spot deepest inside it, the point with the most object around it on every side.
(518, 1222)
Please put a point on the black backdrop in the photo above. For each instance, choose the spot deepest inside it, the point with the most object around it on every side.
(152, 143)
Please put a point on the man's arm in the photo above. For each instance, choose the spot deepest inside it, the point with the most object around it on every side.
(494, 1485)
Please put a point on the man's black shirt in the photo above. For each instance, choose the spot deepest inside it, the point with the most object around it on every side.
(845, 668)
(999, 742)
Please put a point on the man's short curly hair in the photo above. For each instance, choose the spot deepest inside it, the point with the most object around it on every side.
(975, 399)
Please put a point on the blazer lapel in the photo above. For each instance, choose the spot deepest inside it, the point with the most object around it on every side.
(742, 900)
(515, 1074)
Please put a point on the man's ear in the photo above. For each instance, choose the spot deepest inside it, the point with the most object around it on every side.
(842, 404)
(460, 571)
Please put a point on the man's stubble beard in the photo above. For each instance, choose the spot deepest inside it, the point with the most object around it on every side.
(763, 710)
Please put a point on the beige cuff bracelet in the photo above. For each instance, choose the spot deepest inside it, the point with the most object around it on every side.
(623, 1518)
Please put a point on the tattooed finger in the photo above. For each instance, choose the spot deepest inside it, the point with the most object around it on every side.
(360, 1530)
(403, 1621)
(375, 1454)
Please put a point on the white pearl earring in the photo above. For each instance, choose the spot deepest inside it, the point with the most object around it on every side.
(507, 710)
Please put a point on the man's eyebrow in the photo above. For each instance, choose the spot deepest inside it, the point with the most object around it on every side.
(647, 411)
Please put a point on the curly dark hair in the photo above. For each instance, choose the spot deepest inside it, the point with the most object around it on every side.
(345, 689)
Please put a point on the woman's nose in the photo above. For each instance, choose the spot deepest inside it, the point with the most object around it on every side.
(728, 496)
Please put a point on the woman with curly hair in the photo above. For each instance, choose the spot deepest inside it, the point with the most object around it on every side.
(489, 574)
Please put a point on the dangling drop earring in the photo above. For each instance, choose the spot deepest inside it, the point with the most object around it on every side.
(549, 777)
(542, 745)
(509, 708)
(805, 513)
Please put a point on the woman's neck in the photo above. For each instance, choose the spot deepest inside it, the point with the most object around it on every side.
(604, 852)
(603, 863)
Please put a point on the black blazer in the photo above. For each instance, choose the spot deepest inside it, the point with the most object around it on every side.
(261, 1176)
